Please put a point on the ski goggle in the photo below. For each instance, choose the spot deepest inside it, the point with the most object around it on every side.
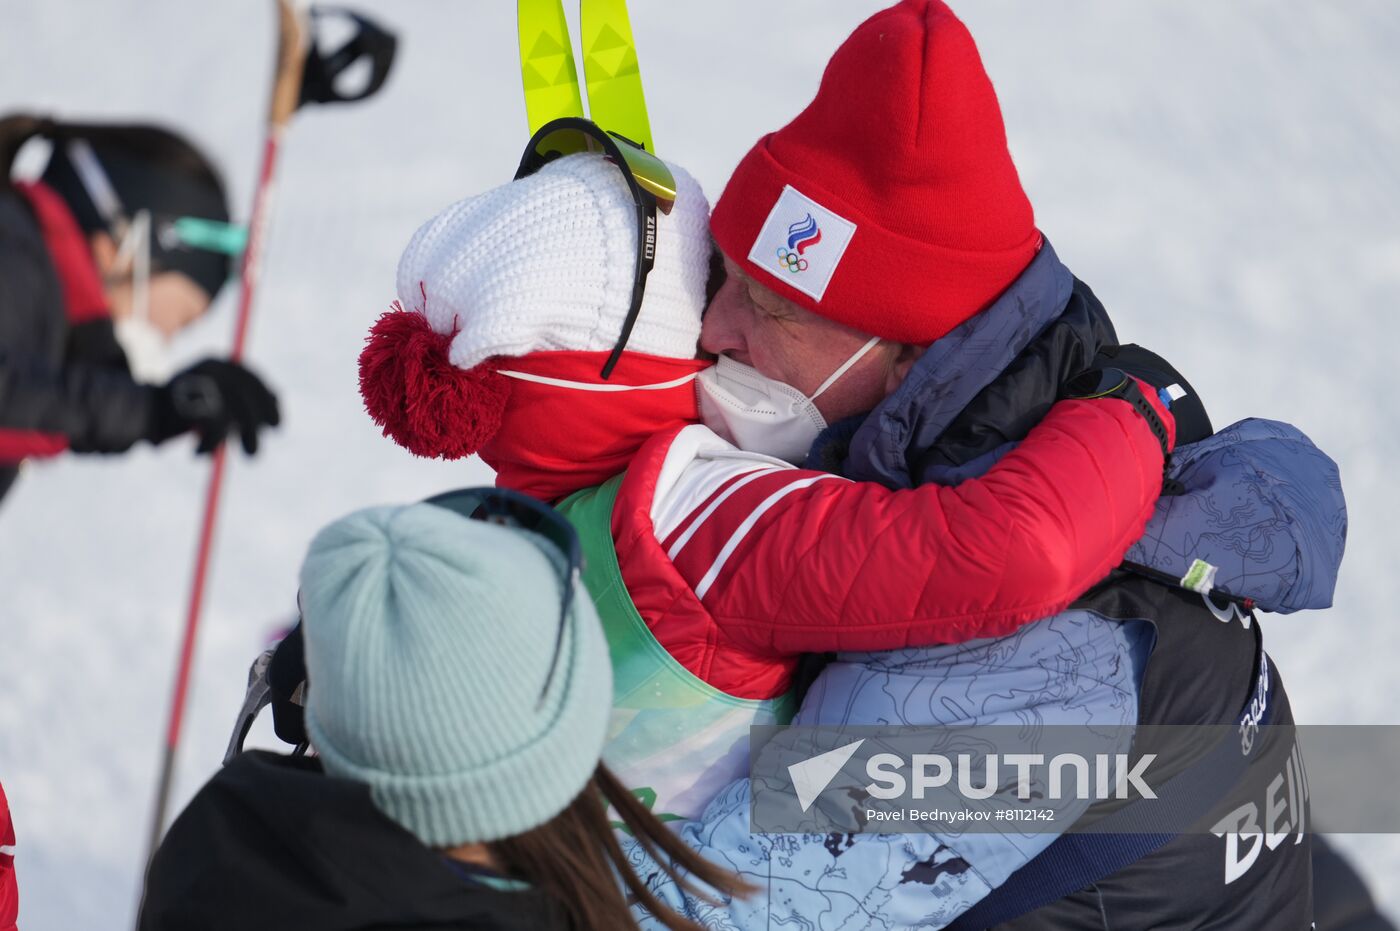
(278, 676)
(648, 179)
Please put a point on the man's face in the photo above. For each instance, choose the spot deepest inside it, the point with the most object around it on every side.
(787, 343)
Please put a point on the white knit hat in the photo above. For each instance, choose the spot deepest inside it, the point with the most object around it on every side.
(547, 262)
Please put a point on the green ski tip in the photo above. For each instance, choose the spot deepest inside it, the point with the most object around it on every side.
(615, 98)
(547, 62)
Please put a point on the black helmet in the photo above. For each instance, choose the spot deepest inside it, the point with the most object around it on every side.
(147, 168)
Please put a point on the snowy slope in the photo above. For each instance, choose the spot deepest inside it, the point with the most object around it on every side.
(1224, 175)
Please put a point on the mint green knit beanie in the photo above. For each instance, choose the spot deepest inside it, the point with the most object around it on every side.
(428, 640)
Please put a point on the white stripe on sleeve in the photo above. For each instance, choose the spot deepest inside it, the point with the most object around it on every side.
(714, 506)
(743, 530)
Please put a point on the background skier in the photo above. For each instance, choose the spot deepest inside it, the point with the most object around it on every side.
(82, 322)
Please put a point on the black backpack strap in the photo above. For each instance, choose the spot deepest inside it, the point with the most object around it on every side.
(1074, 861)
(1071, 863)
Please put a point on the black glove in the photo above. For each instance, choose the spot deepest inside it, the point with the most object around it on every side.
(212, 398)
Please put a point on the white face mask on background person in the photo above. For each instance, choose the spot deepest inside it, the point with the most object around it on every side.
(146, 347)
(761, 415)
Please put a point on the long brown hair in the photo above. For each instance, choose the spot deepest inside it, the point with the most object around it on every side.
(575, 858)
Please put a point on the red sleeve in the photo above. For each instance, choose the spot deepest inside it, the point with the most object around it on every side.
(83, 297)
(800, 562)
(18, 445)
(9, 892)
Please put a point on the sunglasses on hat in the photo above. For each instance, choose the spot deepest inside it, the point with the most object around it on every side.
(650, 182)
(278, 676)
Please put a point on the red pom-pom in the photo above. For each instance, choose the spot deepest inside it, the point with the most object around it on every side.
(426, 404)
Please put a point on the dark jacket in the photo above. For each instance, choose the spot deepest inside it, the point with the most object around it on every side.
(272, 843)
(976, 392)
(63, 382)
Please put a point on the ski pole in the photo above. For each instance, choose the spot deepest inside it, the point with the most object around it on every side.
(292, 45)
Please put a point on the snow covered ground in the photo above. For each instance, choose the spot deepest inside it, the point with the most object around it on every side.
(1224, 175)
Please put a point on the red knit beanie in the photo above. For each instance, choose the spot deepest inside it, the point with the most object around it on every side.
(890, 204)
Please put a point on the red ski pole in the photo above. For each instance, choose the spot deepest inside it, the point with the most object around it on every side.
(292, 46)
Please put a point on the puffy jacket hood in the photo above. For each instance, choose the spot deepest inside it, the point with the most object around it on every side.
(1263, 518)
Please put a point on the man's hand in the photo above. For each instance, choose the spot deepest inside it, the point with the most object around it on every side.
(212, 398)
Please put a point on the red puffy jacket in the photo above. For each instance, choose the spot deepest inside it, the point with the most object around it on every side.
(9, 892)
(739, 563)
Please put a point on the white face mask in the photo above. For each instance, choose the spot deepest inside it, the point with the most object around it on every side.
(761, 415)
(146, 346)
(147, 350)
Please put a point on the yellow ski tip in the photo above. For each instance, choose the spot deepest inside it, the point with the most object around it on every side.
(547, 68)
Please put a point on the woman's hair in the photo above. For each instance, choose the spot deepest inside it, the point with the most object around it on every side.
(576, 859)
(152, 144)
